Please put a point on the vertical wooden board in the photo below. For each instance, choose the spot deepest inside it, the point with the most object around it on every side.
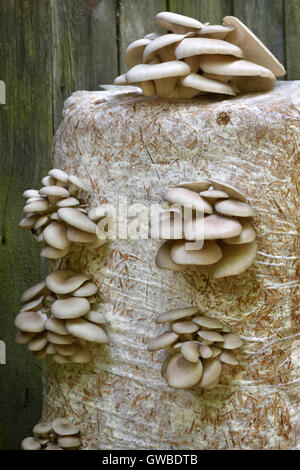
(26, 133)
(266, 19)
(211, 11)
(84, 46)
(292, 31)
(135, 20)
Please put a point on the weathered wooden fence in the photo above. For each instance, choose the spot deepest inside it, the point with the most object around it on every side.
(48, 49)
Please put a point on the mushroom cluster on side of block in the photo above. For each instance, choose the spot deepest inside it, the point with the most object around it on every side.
(195, 58)
(198, 345)
(58, 216)
(215, 235)
(61, 434)
(57, 318)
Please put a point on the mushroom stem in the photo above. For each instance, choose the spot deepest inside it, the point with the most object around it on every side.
(148, 88)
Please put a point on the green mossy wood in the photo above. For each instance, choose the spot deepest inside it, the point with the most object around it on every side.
(48, 49)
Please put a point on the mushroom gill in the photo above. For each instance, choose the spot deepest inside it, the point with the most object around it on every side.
(214, 232)
(59, 317)
(193, 59)
(61, 434)
(198, 346)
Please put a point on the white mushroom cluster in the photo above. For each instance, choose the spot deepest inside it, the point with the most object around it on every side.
(198, 345)
(58, 216)
(218, 236)
(195, 58)
(61, 434)
(57, 318)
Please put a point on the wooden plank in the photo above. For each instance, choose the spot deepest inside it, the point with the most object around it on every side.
(135, 20)
(211, 11)
(26, 133)
(84, 45)
(292, 31)
(266, 19)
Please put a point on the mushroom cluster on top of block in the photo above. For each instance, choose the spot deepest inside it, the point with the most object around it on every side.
(195, 58)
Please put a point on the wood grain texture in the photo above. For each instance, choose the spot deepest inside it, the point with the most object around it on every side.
(135, 20)
(84, 45)
(26, 133)
(292, 38)
(211, 11)
(266, 19)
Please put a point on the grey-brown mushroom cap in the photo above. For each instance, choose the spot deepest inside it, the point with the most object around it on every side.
(229, 190)
(212, 369)
(42, 430)
(134, 52)
(69, 308)
(190, 351)
(184, 196)
(163, 258)
(183, 374)
(145, 72)
(211, 253)
(178, 314)
(205, 46)
(77, 219)
(212, 227)
(163, 341)
(65, 281)
(83, 329)
(55, 234)
(64, 427)
(248, 235)
(30, 443)
(69, 442)
(33, 292)
(31, 322)
(236, 259)
(197, 186)
(254, 49)
(154, 47)
(233, 207)
(207, 85)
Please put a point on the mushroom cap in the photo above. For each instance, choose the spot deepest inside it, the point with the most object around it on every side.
(184, 196)
(31, 322)
(153, 47)
(31, 193)
(53, 253)
(51, 446)
(214, 194)
(211, 253)
(208, 322)
(253, 48)
(233, 207)
(134, 52)
(78, 183)
(205, 351)
(196, 186)
(64, 427)
(83, 329)
(41, 221)
(198, 82)
(57, 191)
(34, 304)
(79, 236)
(30, 443)
(72, 307)
(59, 339)
(177, 23)
(212, 227)
(167, 227)
(248, 235)
(185, 327)
(190, 351)
(229, 190)
(77, 219)
(228, 357)
(183, 374)
(228, 65)
(173, 315)
(163, 341)
(38, 342)
(201, 46)
(145, 72)
(86, 289)
(69, 442)
(95, 317)
(55, 234)
(212, 369)
(211, 336)
(232, 341)
(120, 80)
(42, 430)
(163, 258)
(236, 259)
(59, 175)
(48, 181)
(65, 281)
(215, 31)
(68, 202)
(23, 337)
(28, 222)
(56, 326)
(37, 206)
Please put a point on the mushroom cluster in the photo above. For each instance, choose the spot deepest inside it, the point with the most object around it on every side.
(61, 434)
(57, 319)
(217, 234)
(197, 346)
(195, 58)
(58, 216)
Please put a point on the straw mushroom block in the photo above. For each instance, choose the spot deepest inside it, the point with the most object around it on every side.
(137, 148)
